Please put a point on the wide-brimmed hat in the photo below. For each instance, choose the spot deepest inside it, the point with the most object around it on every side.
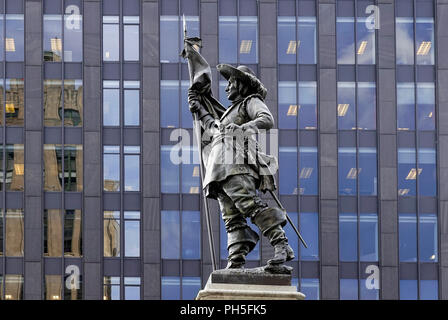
(243, 73)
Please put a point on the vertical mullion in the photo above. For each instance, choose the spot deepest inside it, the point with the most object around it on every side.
(4, 154)
(63, 146)
(179, 63)
(121, 151)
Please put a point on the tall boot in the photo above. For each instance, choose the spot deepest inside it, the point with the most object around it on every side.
(240, 242)
(270, 221)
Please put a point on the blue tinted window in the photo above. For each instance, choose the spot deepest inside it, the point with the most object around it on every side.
(288, 170)
(366, 105)
(170, 288)
(132, 172)
(348, 289)
(131, 107)
(428, 237)
(405, 106)
(308, 176)
(111, 42)
(169, 103)
(310, 288)
(307, 40)
(287, 105)
(366, 293)
(248, 33)
(348, 237)
(346, 106)
(425, 106)
(407, 172)
(404, 35)
(72, 35)
(424, 40)
(14, 37)
(427, 172)
(170, 234)
(228, 42)
(191, 235)
(407, 230)
(190, 172)
(111, 168)
(131, 42)
(169, 42)
(309, 229)
(365, 42)
(408, 289)
(52, 37)
(367, 170)
(190, 287)
(111, 105)
(187, 119)
(287, 44)
(345, 28)
(132, 238)
(368, 237)
(429, 290)
(169, 171)
(348, 171)
(307, 105)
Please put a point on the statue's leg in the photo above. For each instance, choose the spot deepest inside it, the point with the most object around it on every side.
(241, 239)
(242, 191)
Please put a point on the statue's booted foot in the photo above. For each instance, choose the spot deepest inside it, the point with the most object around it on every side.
(282, 253)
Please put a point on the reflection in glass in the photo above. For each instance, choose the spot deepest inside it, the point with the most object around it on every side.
(14, 233)
(131, 172)
(15, 102)
(131, 42)
(52, 167)
(310, 288)
(111, 103)
(171, 43)
(190, 171)
(424, 41)
(52, 37)
(366, 105)
(111, 168)
(347, 171)
(111, 288)
(169, 171)
(367, 171)
(405, 106)
(52, 233)
(407, 172)
(426, 106)
(131, 288)
(132, 234)
(14, 167)
(131, 107)
(368, 237)
(72, 287)
(170, 288)
(306, 45)
(14, 44)
(345, 29)
(2, 95)
(287, 105)
(286, 40)
(72, 233)
(111, 233)
(52, 102)
(73, 167)
(288, 177)
(346, 108)
(191, 235)
(407, 230)
(428, 237)
(228, 41)
(309, 229)
(13, 287)
(190, 287)
(186, 118)
(348, 289)
(408, 290)
(427, 172)
(170, 234)
(368, 293)
(111, 41)
(53, 287)
(307, 105)
(73, 36)
(429, 290)
(348, 237)
(248, 35)
(404, 35)
(365, 42)
(308, 175)
(73, 93)
(169, 104)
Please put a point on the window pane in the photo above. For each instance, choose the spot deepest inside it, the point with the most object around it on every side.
(73, 233)
(169, 103)
(287, 44)
(14, 102)
(193, 31)
(111, 169)
(170, 235)
(308, 105)
(307, 40)
(169, 42)
(53, 287)
(367, 171)
(13, 287)
(366, 106)
(348, 289)
(348, 172)
(53, 233)
(131, 107)
(228, 46)
(310, 288)
(408, 289)
(132, 238)
(2, 93)
(365, 48)
(404, 35)
(308, 175)
(190, 287)
(169, 171)
(2, 41)
(428, 237)
(52, 167)
(346, 106)
(368, 237)
(111, 42)
(248, 47)
(14, 167)
(288, 170)
(187, 119)
(131, 42)
(348, 237)
(407, 231)
(73, 174)
(52, 102)
(14, 233)
(74, 289)
(111, 233)
(345, 28)
(72, 34)
(429, 290)
(52, 37)
(407, 172)
(427, 172)
(191, 235)
(287, 105)
(309, 229)
(190, 172)
(132, 293)
(111, 288)
(73, 90)
(368, 294)
(424, 40)
(132, 172)
(111, 107)
(425, 106)
(14, 37)
(406, 106)
(170, 288)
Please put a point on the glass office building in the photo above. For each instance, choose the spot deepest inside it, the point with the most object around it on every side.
(94, 104)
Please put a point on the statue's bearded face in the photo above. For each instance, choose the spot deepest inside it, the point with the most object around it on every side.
(232, 90)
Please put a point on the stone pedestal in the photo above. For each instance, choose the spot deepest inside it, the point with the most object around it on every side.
(249, 284)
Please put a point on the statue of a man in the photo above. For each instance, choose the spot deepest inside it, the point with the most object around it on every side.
(234, 183)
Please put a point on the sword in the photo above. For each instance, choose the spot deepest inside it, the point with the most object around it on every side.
(197, 130)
